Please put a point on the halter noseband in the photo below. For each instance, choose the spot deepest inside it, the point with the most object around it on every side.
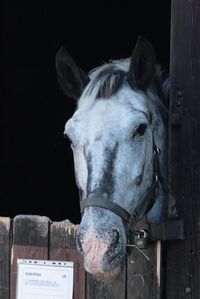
(144, 206)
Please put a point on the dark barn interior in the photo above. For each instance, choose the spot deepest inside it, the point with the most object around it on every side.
(36, 161)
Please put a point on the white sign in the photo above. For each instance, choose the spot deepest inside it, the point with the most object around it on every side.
(39, 279)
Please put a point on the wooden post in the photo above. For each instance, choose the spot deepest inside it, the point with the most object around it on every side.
(63, 247)
(183, 257)
(4, 257)
(30, 241)
(97, 289)
(144, 269)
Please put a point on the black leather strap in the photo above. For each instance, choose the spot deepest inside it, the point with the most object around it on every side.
(144, 206)
(106, 204)
(148, 201)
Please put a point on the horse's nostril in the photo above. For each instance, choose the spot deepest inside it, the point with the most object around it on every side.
(115, 239)
(116, 235)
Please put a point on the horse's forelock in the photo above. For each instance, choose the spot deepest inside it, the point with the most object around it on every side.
(107, 79)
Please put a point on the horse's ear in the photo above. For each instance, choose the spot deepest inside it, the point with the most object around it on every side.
(142, 65)
(71, 77)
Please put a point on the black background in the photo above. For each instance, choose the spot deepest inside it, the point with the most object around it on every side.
(36, 162)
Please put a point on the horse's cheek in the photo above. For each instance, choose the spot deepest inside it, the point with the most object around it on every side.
(81, 171)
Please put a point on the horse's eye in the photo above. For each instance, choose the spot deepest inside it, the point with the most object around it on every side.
(140, 130)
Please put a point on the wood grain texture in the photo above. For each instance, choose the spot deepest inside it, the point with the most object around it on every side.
(30, 241)
(63, 248)
(183, 257)
(4, 257)
(144, 272)
(97, 289)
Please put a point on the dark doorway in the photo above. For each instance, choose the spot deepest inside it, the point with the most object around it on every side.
(36, 162)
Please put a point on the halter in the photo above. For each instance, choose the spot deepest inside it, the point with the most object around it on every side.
(144, 206)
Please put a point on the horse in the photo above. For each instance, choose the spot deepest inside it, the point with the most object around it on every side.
(118, 135)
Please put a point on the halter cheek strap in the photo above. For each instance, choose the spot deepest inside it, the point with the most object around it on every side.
(106, 204)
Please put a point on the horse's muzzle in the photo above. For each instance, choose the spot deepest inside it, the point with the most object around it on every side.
(103, 251)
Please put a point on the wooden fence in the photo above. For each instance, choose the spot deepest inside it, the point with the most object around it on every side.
(36, 237)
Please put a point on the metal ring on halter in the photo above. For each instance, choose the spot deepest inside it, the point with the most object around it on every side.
(144, 232)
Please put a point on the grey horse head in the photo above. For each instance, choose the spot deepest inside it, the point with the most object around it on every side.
(119, 119)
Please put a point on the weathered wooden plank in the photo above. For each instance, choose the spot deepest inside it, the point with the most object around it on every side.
(144, 271)
(4, 257)
(63, 247)
(183, 257)
(30, 241)
(97, 289)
